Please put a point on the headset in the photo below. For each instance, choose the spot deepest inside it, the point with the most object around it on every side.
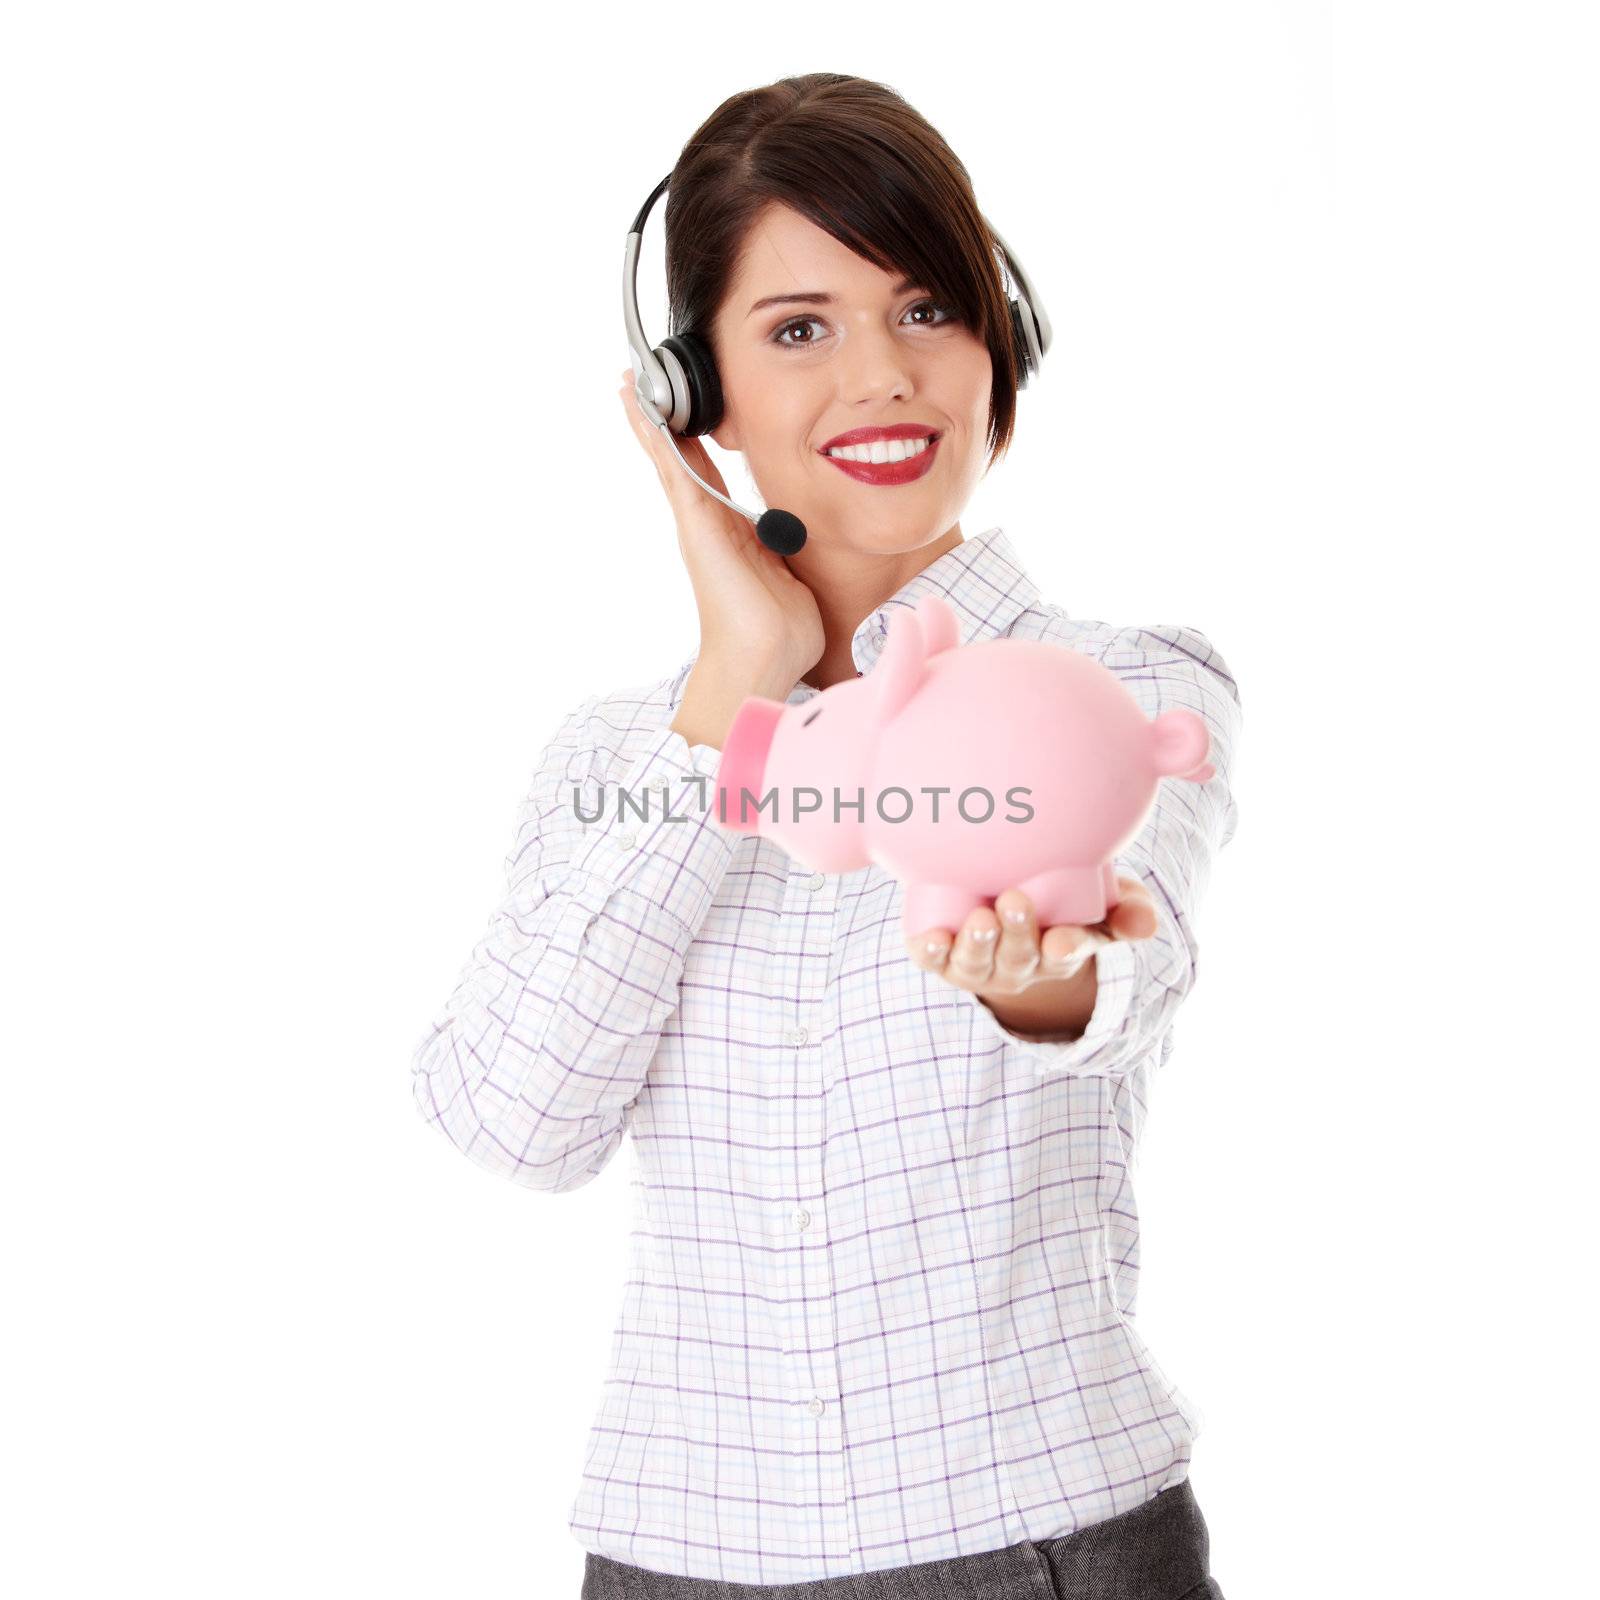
(676, 383)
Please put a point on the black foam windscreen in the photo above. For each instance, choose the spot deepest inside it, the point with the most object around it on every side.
(782, 531)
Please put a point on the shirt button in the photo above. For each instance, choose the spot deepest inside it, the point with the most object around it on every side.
(798, 1036)
(814, 882)
(814, 1405)
(802, 1218)
(628, 839)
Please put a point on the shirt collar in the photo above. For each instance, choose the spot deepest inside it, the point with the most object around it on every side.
(982, 578)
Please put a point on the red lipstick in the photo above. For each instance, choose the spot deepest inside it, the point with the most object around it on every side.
(885, 473)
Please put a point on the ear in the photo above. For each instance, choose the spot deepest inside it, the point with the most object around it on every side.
(898, 672)
(725, 434)
(941, 628)
(1180, 743)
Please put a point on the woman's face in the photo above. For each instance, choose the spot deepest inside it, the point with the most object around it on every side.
(859, 351)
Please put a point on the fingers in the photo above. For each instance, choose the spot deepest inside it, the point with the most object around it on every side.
(962, 959)
(680, 487)
(1002, 949)
(1016, 955)
(980, 955)
(674, 480)
(643, 429)
(929, 950)
(970, 963)
(1065, 947)
(647, 431)
(1134, 915)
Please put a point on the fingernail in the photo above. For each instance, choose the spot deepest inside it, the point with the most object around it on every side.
(1016, 914)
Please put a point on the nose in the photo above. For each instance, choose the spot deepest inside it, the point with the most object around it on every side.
(875, 366)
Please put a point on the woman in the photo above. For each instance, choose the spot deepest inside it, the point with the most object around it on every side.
(879, 1318)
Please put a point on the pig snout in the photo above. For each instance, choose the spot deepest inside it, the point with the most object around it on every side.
(744, 761)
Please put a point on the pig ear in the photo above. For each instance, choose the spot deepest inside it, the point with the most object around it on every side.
(899, 670)
(1179, 744)
(941, 628)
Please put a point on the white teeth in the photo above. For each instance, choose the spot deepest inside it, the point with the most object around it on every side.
(881, 450)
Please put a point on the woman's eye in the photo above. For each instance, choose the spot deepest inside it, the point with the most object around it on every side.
(799, 322)
(796, 323)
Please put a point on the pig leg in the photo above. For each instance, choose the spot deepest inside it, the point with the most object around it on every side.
(1069, 894)
(936, 905)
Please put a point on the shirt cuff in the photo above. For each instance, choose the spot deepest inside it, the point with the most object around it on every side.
(656, 833)
(1104, 1045)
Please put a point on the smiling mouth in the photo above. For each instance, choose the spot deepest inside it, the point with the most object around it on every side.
(885, 462)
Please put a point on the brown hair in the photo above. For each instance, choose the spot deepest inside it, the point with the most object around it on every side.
(852, 157)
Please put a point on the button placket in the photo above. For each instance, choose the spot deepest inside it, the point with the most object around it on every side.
(813, 1372)
(814, 920)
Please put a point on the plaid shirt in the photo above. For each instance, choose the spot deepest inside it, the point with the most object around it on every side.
(885, 1253)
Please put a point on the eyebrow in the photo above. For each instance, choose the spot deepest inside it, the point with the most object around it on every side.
(814, 298)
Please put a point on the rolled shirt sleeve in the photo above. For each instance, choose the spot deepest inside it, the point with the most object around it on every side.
(532, 1066)
(1140, 983)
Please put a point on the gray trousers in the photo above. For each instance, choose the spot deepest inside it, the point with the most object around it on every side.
(1158, 1551)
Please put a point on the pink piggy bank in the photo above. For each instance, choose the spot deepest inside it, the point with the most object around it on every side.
(962, 770)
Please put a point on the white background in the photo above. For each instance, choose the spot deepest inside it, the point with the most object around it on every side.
(320, 511)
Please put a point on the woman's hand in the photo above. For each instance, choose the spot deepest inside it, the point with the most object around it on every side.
(760, 629)
(1025, 977)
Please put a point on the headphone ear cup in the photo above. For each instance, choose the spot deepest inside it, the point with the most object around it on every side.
(705, 388)
(1019, 343)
